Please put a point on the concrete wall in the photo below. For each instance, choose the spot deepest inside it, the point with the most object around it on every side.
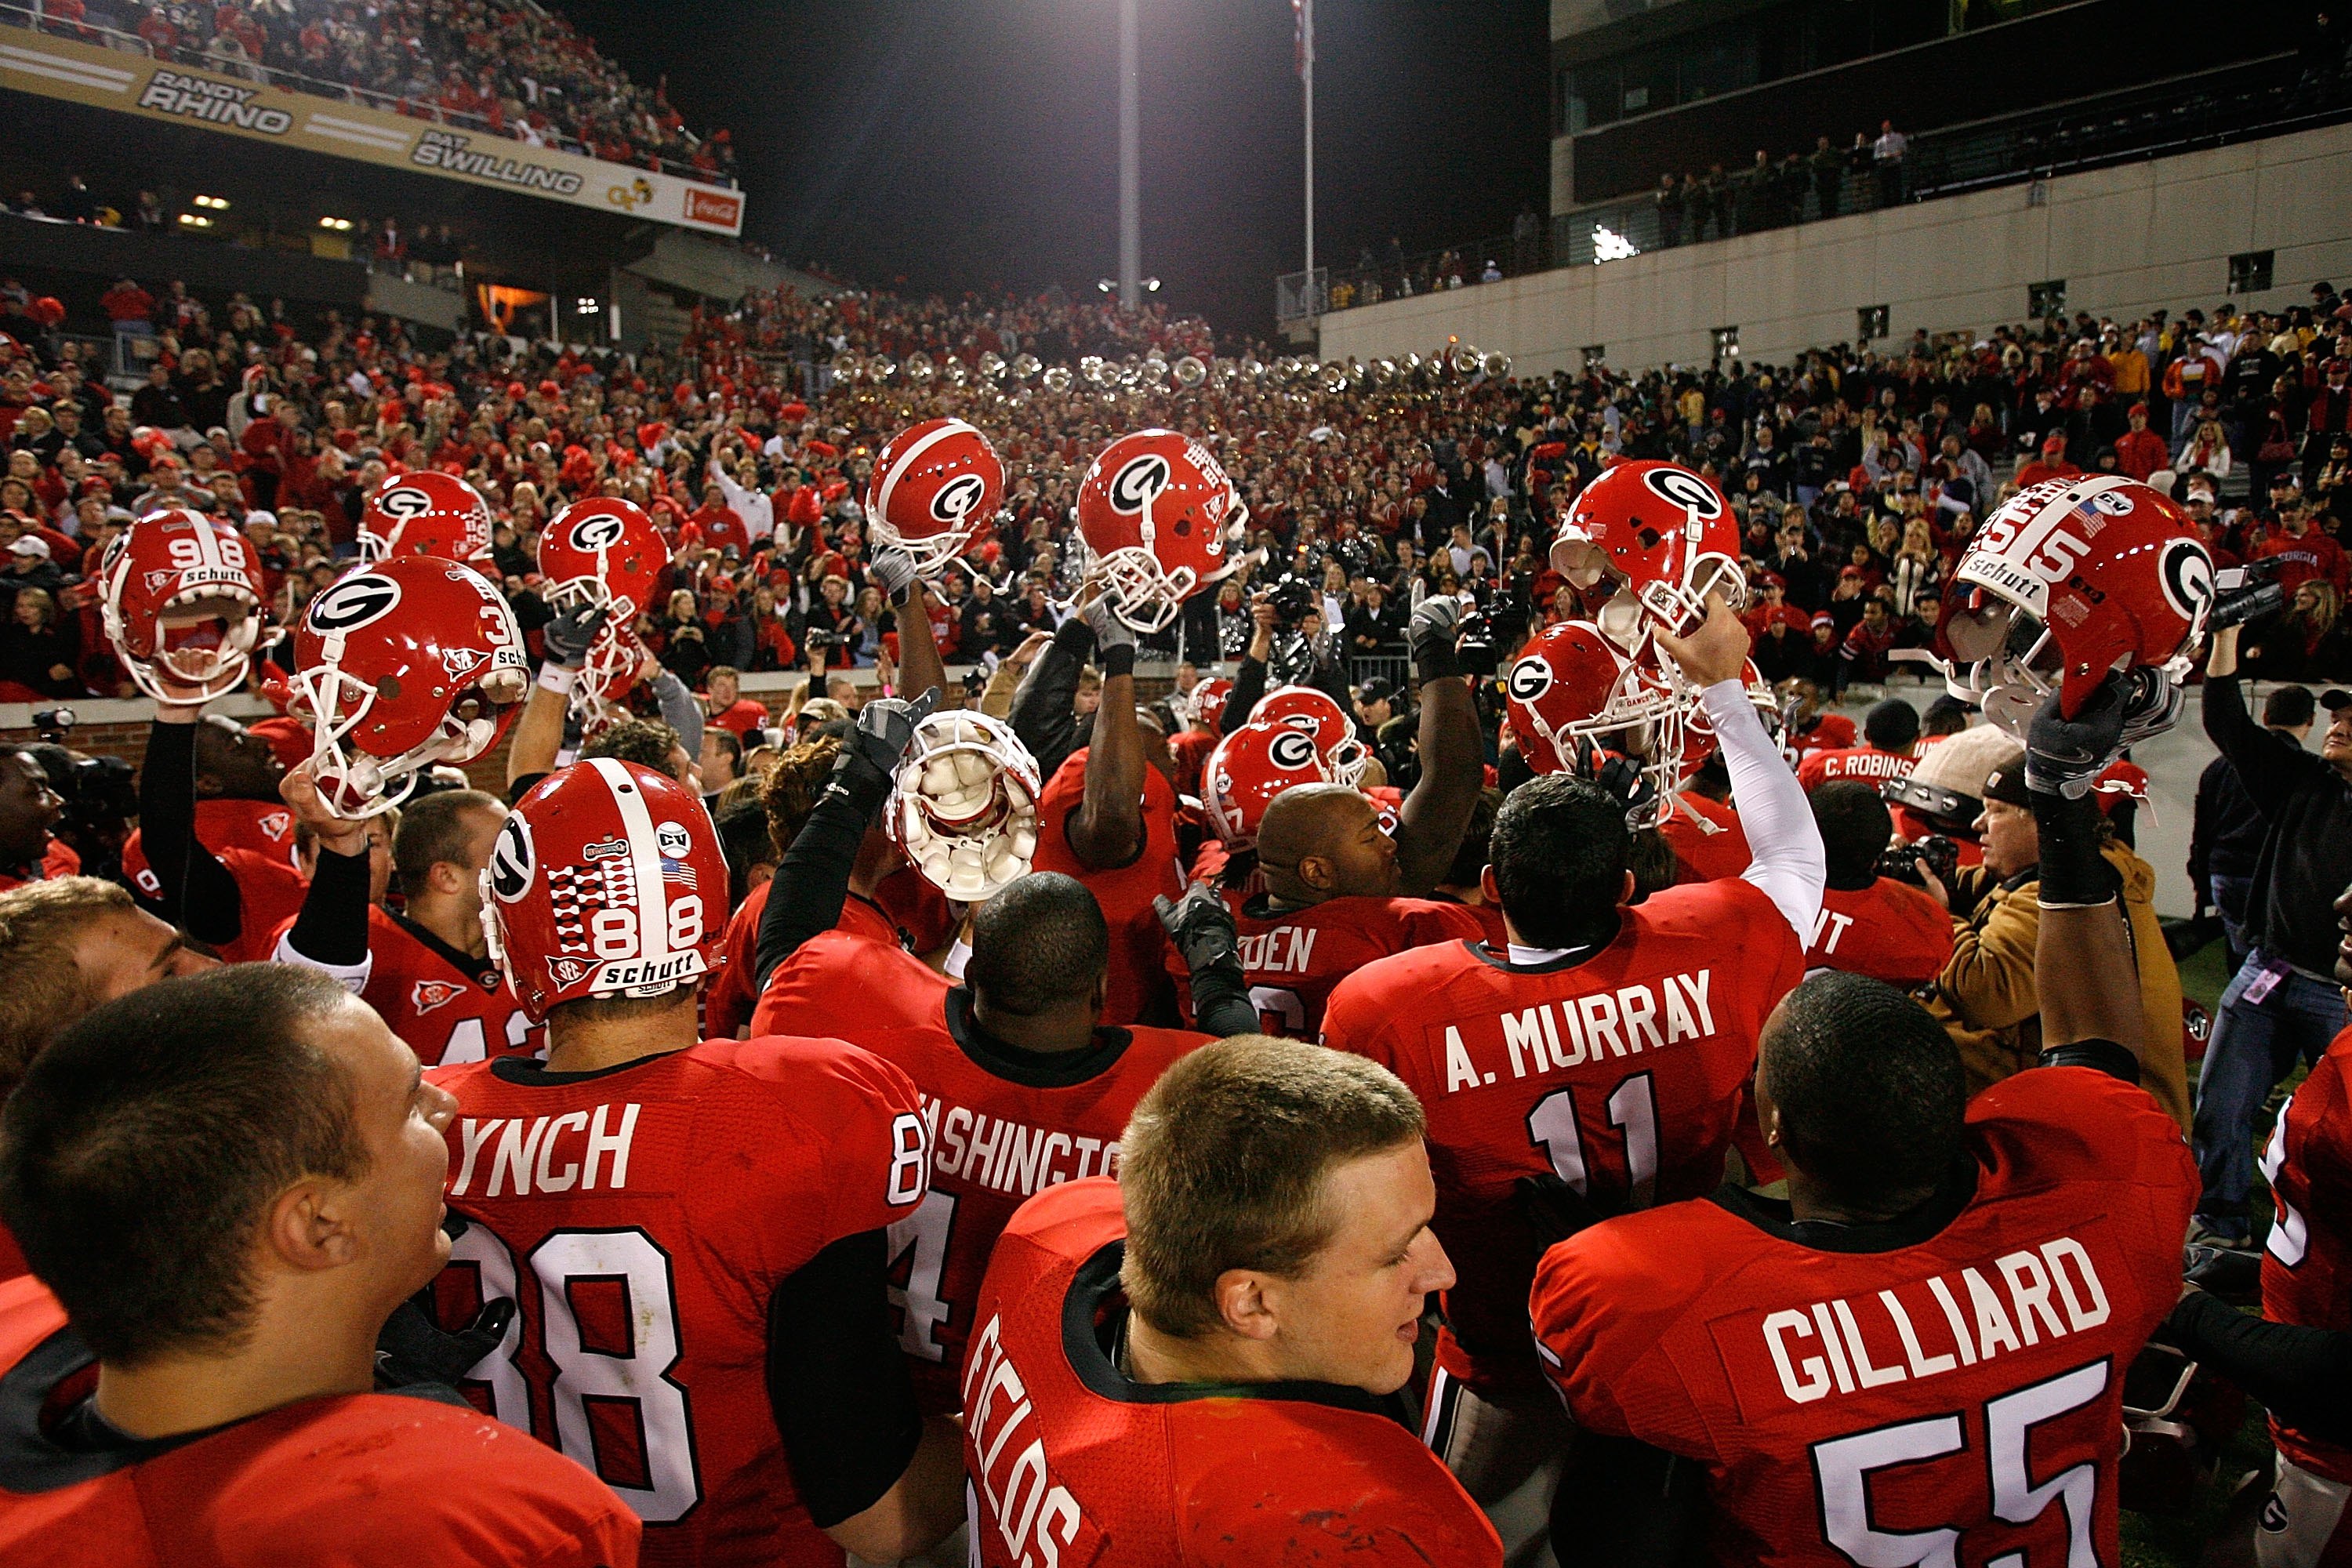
(2126, 239)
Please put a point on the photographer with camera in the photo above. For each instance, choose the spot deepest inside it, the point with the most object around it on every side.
(1986, 997)
(1287, 647)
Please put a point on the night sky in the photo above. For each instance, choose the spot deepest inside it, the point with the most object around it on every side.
(939, 145)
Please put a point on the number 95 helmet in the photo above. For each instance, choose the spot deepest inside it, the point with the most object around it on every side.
(2070, 580)
(963, 805)
(180, 596)
(933, 488)
(1161, 521)
(595, 887)
(1663, 531)
(426, 514)
(403, 665)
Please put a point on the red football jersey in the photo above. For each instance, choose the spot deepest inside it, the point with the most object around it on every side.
(2308, 1263)
(727, 999)
(1955, 1398)
(1294, 959)
(1619, 1073)
(1707, 851)
(1073, 1463)
(1867, 764)
(1003, 1127)
(367, 1480)
(254, 839)
(447, 1006)
(846, 982)
(925, 920)
(1889, 930)
(1138, 947)
(642, 1218)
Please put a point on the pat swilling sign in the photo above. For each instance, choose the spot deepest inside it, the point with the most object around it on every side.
(134, 84)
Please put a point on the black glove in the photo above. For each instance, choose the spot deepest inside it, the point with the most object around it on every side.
(1201, 926)
(2066, 756)
(411, 1348)
(567, 636)
(2235, 1276)
(894, 567)
(886, 728)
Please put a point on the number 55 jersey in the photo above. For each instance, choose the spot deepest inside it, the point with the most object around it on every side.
(644, 1220)
(1943, 1387)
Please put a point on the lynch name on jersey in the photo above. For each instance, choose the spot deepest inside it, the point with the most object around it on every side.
(1556, 1036)
(1010, 1156)
(524, 1159)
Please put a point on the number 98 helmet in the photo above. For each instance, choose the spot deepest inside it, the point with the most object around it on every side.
(933, 488)
(1663, 531)
(2069, 580)
(426, 514)
(403, 665)
(963, 805)
(1161, 521)
(1569, 682)
(595, 887)
(180, 596)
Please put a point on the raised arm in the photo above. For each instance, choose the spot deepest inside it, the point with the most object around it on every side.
(539, 733)
(1108, 829)
(2083, 967)
(1453, 766)
(920, 668)
(195, 890)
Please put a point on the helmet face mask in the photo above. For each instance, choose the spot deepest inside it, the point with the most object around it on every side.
(1159, 520)
(934, 487)
(963, 805)
(1569, 684)
(179, 597)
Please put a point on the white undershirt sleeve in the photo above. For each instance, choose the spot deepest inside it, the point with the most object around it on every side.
(1786, 861)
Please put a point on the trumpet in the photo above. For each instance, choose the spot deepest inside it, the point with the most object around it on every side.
(1024, 366)
(846, 369)
(1464, 360)
(1494, 367)
(992, 365)
(1191, 373)
(1059, 378)
(920, 368)
(954, 372)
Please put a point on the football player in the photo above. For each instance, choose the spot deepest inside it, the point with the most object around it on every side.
(1023, 1088)
(29, 808)
(426, 970)
(214, 845)
(225, 1183)
(1871, 924)
(1918, 1355)
(1601, 1057)
(695, 1234)
(1890, 732)
(1192, 1365)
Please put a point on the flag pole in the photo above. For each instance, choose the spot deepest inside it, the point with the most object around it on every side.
(1307, 78)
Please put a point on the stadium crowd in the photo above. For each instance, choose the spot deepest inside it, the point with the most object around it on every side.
(1078, 1065)
(506, 68)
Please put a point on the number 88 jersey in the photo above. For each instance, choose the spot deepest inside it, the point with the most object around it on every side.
(642, 1220)
(1944, 1388)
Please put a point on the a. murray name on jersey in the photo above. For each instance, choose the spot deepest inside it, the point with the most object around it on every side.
(1923, 1329)
(984, 1150)
(1556, 1036)
(523, 1156)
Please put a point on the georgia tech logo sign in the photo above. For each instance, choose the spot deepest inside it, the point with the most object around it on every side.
(637, 194)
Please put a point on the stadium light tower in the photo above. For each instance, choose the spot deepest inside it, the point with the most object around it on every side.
(1130, 160)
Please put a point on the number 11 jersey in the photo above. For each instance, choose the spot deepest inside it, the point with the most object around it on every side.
(641, 1218)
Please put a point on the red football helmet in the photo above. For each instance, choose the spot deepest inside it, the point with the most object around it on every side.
(181, 594)
(934, 487)
(1249, 768)
(1206, 705)
(1697, 731)
(596, 887)
(605, 553)
(1664, 533)
(614, 657)
(400, 666)
(1161, 520)
(2069, 580)
(1317, 712)
(426, 514)
(1569, 682)
(963, 805)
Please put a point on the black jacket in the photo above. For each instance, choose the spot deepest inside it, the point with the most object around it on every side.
(2306, 855)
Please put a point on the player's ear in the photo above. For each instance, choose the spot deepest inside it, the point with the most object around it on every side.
(306, 1228)
(1240, 1295)
(1315, 870)
(1488, 886)
(1625, 894)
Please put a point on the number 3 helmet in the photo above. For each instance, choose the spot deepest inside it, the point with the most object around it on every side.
(963, 805)
(934, 487)
(180, 596)
(1664, 533)
(2069, 580)
(1569, 682)
(403, 665)
(1161, 521)
(606, 880)
(1250, 767)
(426, 514)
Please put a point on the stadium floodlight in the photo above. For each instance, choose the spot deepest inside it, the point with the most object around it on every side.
(195, 220)
(1152, 285)
(583, 306)
(340, 225)
(219, 204)
(1107, 285)
(1608, 245)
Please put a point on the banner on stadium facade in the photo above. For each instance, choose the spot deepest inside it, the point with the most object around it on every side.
(134, 84)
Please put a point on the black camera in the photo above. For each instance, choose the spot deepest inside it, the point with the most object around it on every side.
(1936, 853)
(1294, 598)
(2243, 593)
(54, 724)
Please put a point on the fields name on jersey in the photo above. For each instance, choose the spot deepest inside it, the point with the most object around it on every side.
(1926, 1328)
(520, 1155)
(1553, 1036)
(987, 1151)
(1035, 1516)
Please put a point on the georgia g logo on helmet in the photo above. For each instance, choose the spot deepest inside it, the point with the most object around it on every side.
(1138, 481)
(956, 499)
(1684, 490)
(600, 530)
(404, 501)
(2185, 573)
(511, 861)
(353, 603)
(1293, 749)
(1529, 679)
